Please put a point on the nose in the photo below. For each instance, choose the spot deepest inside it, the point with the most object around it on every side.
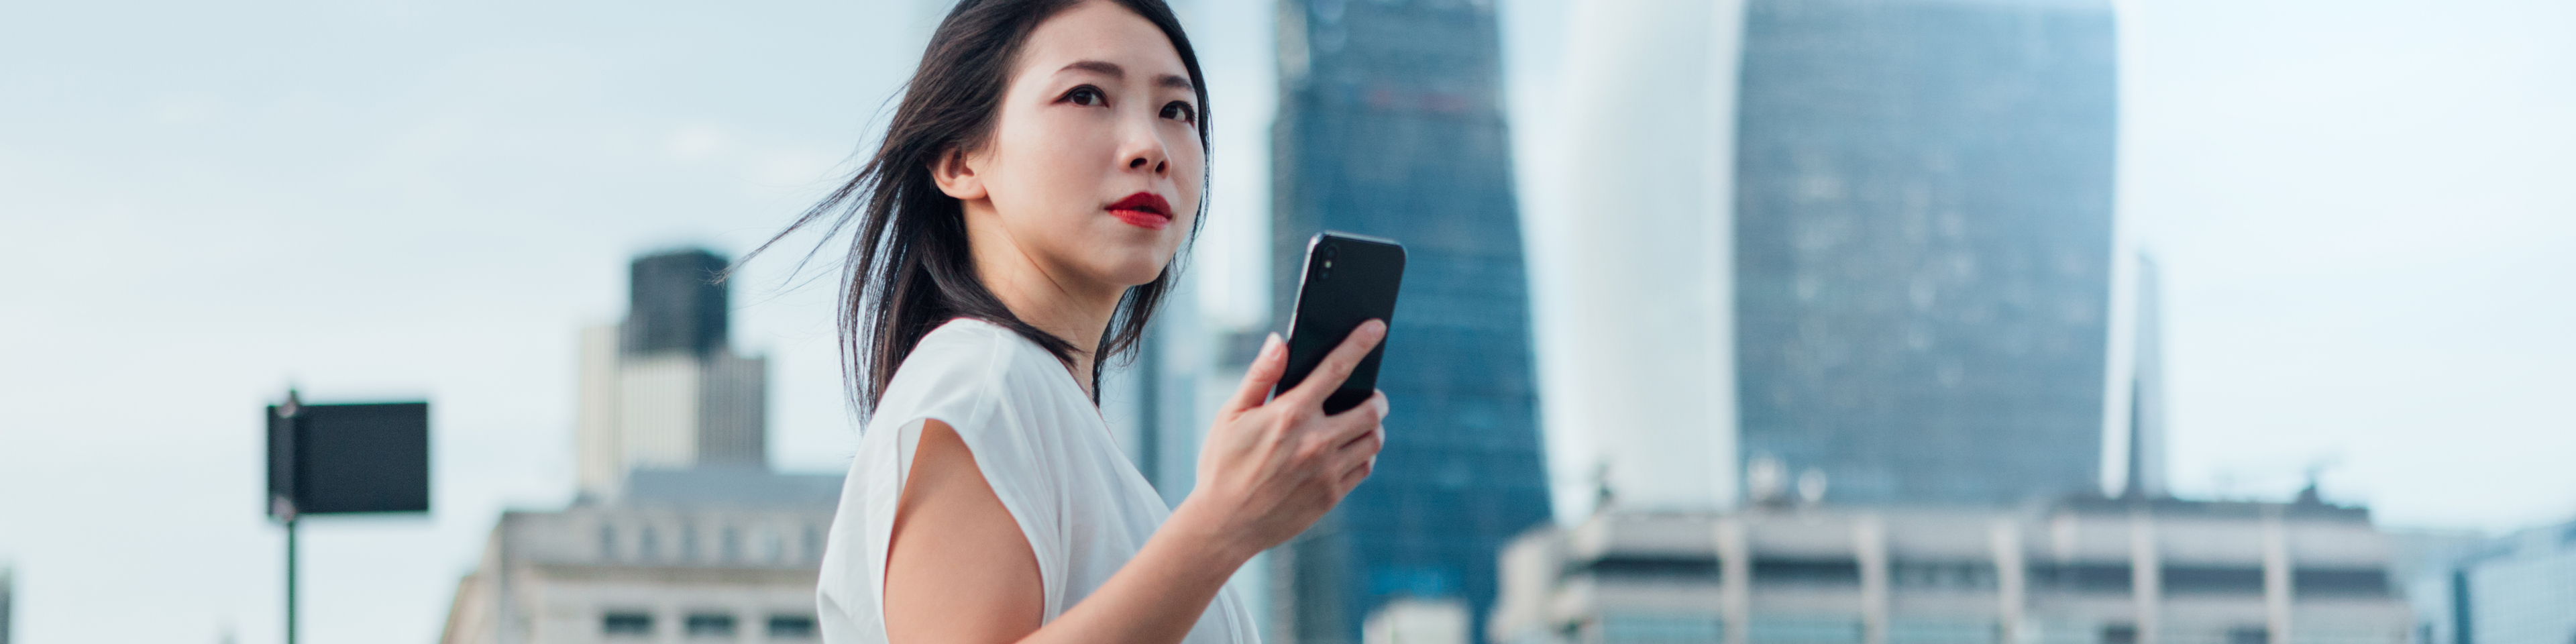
(1145, 150)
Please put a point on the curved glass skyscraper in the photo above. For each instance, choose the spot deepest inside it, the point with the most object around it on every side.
(1390, 124)
(1923, 244)
(1871, 238)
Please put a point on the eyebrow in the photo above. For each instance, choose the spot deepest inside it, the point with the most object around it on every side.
(1112, 70)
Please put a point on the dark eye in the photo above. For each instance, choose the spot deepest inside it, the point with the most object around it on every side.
(1181, 111)
(1086, 95)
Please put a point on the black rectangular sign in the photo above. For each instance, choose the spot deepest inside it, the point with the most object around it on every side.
(335, 459)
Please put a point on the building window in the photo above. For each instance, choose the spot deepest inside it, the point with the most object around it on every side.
(607, 541)
(688, 543)
(648, 544)
(626, 624)
(2249, 635)
(2082, 578)
(2354, 582)
(1943, 575)
(731, 543)
(1827, 572)
(710, 625)
(1648, 568)
(774, 545)
(2206, 579)
(2120, 634)
(791, 627)
(813, 543)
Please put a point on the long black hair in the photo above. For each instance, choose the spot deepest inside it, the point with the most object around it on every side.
(909, 268)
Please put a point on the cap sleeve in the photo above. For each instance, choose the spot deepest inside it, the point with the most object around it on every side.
(962, 377)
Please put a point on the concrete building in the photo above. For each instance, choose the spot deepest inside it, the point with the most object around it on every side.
(2082, 571)
(680, 531)
(663, 389)
(1870, 238)
(1390, 124)
(2517, 589)
(703, 555)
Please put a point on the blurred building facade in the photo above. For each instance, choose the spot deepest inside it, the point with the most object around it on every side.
(1390, 124)
(1872, 238)
(680, 532)
(2515, 589)
(1923, 244)
(664, 389)
(710, 554)
(2083, 571)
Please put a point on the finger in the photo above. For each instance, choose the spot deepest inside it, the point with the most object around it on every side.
(1337, 365)
(1363, 421)
(1357, 472)
(1259, 377)
(1365, 443)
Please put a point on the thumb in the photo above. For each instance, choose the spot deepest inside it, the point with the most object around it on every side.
(1264, 373)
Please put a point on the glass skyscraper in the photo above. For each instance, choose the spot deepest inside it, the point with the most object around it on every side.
(1923, 244)
(1391, 124)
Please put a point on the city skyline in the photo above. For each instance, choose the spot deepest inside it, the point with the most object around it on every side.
(200, 210)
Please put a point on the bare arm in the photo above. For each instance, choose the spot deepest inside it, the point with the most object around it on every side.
(958, 570)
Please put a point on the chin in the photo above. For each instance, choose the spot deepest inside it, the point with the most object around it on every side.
(1135, 270)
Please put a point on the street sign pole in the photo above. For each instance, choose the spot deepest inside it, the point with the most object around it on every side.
(290, 580)
(343, 459)
(283, 506)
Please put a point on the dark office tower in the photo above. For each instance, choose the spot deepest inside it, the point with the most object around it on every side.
(663, 389)
(676, 304)
(1923, 239)
(1390, 124)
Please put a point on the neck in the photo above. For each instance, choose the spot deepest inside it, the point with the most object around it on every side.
(1042, 294)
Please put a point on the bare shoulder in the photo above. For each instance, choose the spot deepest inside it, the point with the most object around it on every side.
(958, 569)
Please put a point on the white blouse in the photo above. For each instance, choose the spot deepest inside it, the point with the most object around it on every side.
(1042, 447)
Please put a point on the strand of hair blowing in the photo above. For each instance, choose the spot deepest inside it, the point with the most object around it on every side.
(909, 267)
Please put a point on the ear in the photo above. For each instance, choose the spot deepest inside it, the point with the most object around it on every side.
(957, 176)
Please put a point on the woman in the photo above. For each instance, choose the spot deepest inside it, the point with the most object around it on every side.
(1016, 227)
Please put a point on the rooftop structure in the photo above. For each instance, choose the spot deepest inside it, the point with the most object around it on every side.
(707, 554)
(2081, 571)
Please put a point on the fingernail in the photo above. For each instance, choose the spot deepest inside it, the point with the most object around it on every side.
(1271, 345)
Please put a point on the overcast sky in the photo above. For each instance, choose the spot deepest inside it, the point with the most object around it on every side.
(2360, 206)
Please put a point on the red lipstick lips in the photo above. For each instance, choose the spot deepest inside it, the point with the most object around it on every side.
(1143, 210)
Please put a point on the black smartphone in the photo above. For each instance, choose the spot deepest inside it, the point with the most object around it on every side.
(1348, 279)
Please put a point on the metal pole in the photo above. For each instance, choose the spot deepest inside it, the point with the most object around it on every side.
(290, 580)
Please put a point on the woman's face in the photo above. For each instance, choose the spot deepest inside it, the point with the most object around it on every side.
(1092, 170)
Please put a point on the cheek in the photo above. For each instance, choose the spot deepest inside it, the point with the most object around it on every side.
(1049, 169)
(1189, 176)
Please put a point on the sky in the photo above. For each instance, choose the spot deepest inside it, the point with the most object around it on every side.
(2355, 204)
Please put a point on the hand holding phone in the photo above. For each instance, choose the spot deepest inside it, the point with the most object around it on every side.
(1278, 456)
(1348, 279)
